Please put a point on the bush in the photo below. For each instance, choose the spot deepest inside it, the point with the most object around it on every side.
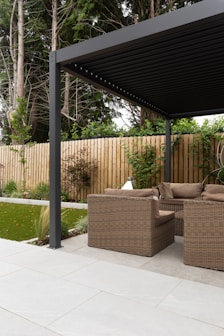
(16, 194)
(81, 225)
(41, 191)
(64, 230)
(64, 196)
(144, 166)
(42, 224)
(10, 187)
(76, 173)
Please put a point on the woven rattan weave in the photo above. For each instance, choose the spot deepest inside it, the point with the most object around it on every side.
(127, 224)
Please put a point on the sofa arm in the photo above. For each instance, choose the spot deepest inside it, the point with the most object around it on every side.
(204, 234)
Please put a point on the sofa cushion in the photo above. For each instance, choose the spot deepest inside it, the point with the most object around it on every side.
(213, 196)
(165, 190)
(164, 216)
(214, 188)
(173, 201)
(186, 190)
(132, 193)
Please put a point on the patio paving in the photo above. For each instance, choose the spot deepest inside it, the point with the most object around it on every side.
(78, 290)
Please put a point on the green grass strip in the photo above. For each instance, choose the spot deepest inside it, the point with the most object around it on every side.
(17, 220)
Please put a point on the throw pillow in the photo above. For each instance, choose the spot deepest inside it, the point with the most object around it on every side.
(165, 190)
(186, 190)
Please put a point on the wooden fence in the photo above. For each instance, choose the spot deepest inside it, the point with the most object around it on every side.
(110, 158)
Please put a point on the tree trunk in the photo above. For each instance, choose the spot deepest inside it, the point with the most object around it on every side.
(13, 53)
(152, 11)
(20, 68)
(54, 25)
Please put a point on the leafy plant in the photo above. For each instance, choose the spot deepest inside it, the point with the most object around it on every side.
(76, 173)
(10, 187)
(21, 135)
(220, 175)
(41, 191)
(64, 196)
(64, 230)
(81, 225)
(99, 129)
(42, 224)
(203, 146)
(16, 194)
(144, 165)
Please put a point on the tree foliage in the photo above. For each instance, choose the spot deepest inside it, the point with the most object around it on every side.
(56, 24)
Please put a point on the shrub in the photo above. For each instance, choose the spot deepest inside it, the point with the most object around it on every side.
(76, 173)
(42, 224)
(16, 194)
(81, 225)
(41, 191)
(10, 187)
(144, 166)
(64, 196)
(64, 230)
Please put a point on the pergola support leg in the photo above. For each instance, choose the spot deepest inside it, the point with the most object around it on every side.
(168, 152)
(55, 154)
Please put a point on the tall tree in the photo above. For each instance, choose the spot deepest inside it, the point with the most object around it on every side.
(20, 57)
(54, 24)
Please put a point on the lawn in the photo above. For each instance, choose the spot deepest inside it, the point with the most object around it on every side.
(17, 220)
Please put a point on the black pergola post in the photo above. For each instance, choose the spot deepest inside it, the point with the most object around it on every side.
(55, 153)
(168, 152)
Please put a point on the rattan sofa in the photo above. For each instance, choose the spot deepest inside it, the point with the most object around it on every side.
(173, 195)
(128, 224)
(204, 234)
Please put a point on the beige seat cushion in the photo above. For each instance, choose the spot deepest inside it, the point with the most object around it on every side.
(164, 216)
(213, 197)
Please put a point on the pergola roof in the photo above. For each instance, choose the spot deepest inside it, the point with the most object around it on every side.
(172, 64)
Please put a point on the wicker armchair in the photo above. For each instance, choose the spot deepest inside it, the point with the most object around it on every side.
(204, 234)
(176, 206)
(128, 224)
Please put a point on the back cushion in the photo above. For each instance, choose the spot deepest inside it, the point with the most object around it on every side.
(214, 188)
(186, 190)
(132, 193)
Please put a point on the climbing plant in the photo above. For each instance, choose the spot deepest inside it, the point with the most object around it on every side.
(145, 165)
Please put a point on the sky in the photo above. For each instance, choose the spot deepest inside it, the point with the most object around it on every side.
(200, 120)
(124, 122)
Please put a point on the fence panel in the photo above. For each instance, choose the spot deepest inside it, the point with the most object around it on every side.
(109, 154)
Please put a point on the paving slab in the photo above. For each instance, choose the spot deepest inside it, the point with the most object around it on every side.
(81, 291)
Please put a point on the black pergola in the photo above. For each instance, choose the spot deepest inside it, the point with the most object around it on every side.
(172, 64)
